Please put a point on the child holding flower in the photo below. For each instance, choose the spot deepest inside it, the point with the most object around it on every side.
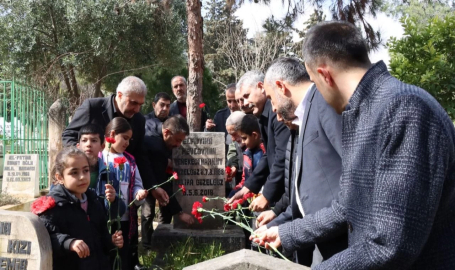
(119, 169)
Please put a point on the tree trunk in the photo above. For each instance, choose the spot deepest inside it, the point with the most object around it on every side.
(195, 64)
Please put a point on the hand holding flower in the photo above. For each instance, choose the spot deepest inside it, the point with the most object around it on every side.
(141, 194)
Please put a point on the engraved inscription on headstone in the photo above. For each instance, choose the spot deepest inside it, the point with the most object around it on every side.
(20, 175)
(24, 242)
(200, 164)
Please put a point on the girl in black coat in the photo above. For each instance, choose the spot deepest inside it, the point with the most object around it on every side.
(74, 217)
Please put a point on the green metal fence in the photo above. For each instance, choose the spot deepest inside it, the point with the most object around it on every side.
(23, 124)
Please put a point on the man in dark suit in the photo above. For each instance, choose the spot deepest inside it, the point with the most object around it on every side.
(126, 103)
(158, 150)
(179, 87)
(161, 105)
(398, 177)
(218, 124)
(269, 173)
(317, 167)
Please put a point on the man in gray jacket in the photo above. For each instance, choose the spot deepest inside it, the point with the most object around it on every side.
(398, 176)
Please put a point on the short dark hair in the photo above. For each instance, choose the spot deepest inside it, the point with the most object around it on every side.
(118, 125)
(339, 42)
(249, 125)
(162, 95)
(231, 88)
(288, 69)
(177, 124)
(91, 129)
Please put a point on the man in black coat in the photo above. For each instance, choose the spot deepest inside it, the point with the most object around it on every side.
(270, 170)
(158, 150)
(179, 88)
(317, 169)
(161, 105)
(126, 103)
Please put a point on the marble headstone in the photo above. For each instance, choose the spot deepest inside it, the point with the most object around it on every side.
(21, 175)
(200, 164)
(24, 242)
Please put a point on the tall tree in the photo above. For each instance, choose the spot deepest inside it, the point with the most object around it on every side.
(84, 42)
(195, 64)
(353, 11)
(425, 57)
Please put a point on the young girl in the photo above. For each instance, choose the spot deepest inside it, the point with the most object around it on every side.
(74, 217)
(127, 183)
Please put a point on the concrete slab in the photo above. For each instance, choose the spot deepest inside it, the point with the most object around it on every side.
(246, 260)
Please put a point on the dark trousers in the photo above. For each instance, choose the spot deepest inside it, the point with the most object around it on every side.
(128, 253)
(147, 216)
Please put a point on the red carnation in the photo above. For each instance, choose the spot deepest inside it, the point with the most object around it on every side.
(110, 140)
(42, 204)
(227, 207)
(183, 189)
(119, 161)
(195, 212)
(205, 199)
(228, 170)
(248, 195)
(234, 205)
(202, 105)
(175, 175)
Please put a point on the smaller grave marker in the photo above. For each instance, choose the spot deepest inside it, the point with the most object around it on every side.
(20, 175)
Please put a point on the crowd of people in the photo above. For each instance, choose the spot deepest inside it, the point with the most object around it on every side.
(354, 169)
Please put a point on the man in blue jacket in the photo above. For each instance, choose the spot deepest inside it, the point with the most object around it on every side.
(398, 175)
(316, 169)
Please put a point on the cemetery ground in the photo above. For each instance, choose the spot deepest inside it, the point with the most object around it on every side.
(180, 255)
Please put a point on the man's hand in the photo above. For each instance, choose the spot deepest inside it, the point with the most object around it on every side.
(80, 247)
(229, 177)
(259, 204)
(188, 219)
(209, 124)
(161, 195)
(260, 230)
(141, 194)
(238, 195)
(264, 218)
(268, 238)
(109, 192)
(117, 239)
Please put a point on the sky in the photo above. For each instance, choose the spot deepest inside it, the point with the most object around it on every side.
(254, 15)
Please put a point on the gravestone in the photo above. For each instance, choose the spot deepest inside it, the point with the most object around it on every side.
(200, 164)
(24, 242)
(246, 260)
(21, 176)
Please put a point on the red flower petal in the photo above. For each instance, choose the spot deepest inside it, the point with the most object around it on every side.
(176, 176)
(42, 204)
(228, 170)
(205, 199)
(183, 189)
(202, 105)
(169, 170)
(110, 140)
(227, 207)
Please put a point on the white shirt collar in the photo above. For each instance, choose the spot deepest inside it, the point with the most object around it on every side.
(300, 110)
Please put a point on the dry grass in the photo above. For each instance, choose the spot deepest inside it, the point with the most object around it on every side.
(6, 199)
